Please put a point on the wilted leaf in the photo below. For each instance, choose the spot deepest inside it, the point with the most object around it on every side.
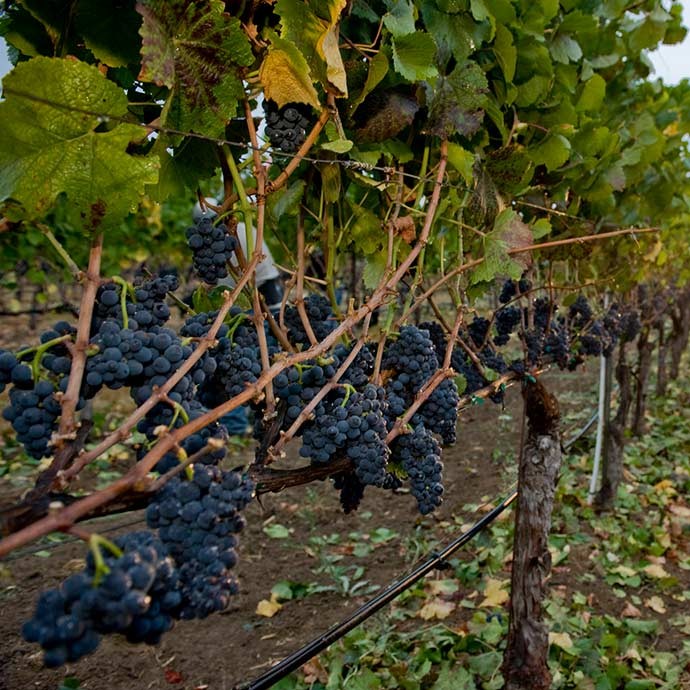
(404, 227)
(562, 640)
(315, 37)
(285, 74)
(195, 49)
(509, 227)
(267, 608)
(384, 115)
(436, 608)
(494, 593)
(456, 101)
(656, 603)
(655, 570)
(630, 611)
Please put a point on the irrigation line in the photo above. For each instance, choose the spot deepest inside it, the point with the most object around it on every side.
(573, 440)
(318, 644)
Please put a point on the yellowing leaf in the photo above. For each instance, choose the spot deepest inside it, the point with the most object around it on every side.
(267, 608)
(436, 608)
(656, 603)
(285, 74)
(494, 594)
(656, 570)
(562, 640)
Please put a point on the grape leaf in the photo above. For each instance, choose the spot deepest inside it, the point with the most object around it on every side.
(316, 37)
(385, 114)
(285, 74)
(413, 56)
(552, 152)
(110, 30)
(455, 102)
(47, 150)
(399, 19)
(196, 50)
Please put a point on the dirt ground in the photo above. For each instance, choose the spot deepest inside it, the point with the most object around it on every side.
(238, 644)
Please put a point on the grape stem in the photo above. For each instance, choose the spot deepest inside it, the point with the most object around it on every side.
(96, 541)
(70, 399)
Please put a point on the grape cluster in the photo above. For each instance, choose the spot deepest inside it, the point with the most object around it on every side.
(197, 521)
(420, 456)
(286, 127)
(413, 360)
(511, 289)
(351, 491)
(33, 413)
(353, 422)
(320, 317)
(144, 303)
(134, 591)
(212, 248)
(507, 320)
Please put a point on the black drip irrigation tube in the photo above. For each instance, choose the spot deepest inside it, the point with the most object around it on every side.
(318, 644)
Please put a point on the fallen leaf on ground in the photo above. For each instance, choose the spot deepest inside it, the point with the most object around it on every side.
(656, 604)
(267, 608)
(436, 608)
(562, 640)
(656, 570)
(494, 594)
(630, 611)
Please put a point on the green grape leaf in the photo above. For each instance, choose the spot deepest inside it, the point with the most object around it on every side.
(285, 201)
(24, 32)
(552, 152)
(593, 94)
(399, 19)
(47, 150)
(505, 51)
(183, 165)
(452, 38)
(110, 31)
(316, 37)
(456, 101)
(509, 233)
(378, 68)
(285, 74)
(413, 56)
(462, 160)
(565, 49)
(195, 49)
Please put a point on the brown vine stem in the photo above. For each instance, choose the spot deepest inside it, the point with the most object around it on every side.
(70, 399)
(299, 298)
(303, 150)
(258, 317)
(121, 433)
(520, 250)
(62, 519)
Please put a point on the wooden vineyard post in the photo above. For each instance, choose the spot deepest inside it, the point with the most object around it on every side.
(525, 660)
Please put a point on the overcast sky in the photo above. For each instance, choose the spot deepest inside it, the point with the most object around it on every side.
(672, 63)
